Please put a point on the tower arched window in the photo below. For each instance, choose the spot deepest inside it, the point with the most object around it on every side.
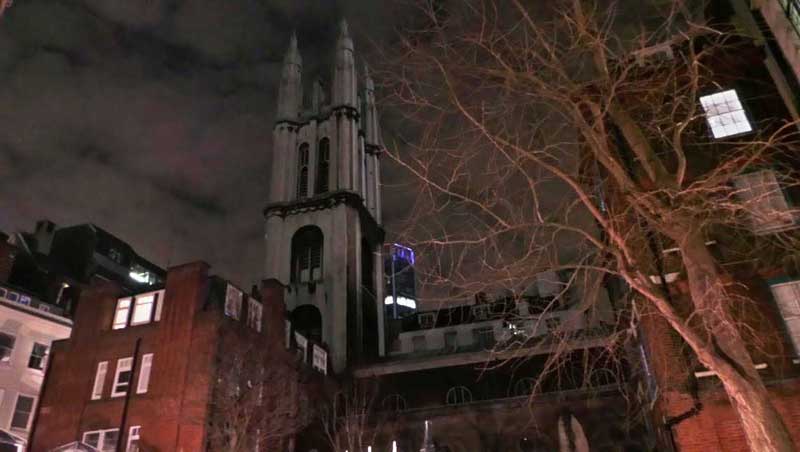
(458, 395)
(323, 165)
(302, 171)
(307, 254)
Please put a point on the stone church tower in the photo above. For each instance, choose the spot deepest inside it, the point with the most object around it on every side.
(323, 220)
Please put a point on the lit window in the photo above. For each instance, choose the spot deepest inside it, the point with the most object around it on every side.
(122, 378)
(121, 314)
(138, 310)
(764, 201)
(22, 412)
(787, 296)
(99, 380)
(458, 395)
(725, 114)
(6, 347)
(133, 439)
(143, 309)
(144, 373)
(254, 311)
(233, 302)
(38, 356)
(24, 299)
(103, 440)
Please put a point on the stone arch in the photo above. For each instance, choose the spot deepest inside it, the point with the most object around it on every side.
(306, 260)
(307, 320)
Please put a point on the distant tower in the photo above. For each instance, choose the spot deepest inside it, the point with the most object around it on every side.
(323, 220)
(401, 288)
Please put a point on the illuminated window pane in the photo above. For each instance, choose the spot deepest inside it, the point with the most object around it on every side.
(143, 309)
(121, 314)
(725, 114)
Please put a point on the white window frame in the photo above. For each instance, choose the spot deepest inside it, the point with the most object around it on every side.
(789, 310)
(99, 380)
(725, 114)
(119, 323)
(43, 357)
(139, 303)
(30, 413)
(760, 190)
(123, 365)
(254, 314)
(143, 382)
(101, 437)
(233, 302)
(134, 433)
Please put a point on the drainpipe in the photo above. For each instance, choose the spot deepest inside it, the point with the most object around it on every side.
(124, 418)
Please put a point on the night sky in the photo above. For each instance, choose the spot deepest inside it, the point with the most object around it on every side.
(153, 118)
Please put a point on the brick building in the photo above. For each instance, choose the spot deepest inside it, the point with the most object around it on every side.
(153, 369)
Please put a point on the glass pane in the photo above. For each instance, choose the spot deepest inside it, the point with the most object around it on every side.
(91, 439)
(142, 310)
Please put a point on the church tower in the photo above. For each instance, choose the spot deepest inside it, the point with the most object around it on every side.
(323, 219)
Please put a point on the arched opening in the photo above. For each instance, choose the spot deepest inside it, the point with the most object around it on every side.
(323, 165)
(307, 321)
(302, 171)
(458, 395)
(307, 255)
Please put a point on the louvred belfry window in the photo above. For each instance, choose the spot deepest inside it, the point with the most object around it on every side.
(302, 172)
(307, 254)
(323, 165)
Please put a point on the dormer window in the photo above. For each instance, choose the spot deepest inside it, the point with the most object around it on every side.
(725, 115)
(427, 319)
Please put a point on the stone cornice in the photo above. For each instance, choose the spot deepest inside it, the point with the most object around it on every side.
(327, 201)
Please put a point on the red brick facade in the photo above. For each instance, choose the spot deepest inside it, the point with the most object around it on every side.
(175, 411)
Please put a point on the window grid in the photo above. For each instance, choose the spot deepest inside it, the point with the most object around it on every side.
(792, 10)
(144, 373)
(764, 201)
(103, 440)
(233, 302)
(122, 377)
(23, 410)
(133, 438)
(99, 380)
(725, 114)
(38, 356)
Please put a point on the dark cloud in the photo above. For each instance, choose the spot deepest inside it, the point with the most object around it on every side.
(153, 118)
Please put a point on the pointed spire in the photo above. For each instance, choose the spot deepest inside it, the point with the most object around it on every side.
(344, 39)
(293, 54)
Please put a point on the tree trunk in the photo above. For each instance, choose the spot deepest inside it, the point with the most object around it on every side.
(728, 356)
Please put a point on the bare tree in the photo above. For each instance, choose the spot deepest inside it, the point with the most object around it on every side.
(559, 136)
(351, 420)
(260, 401)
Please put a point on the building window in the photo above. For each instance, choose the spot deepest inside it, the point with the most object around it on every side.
(133, 439)
(725, 115)
(122, 377)
(143, 309)
(302, 172)
(22, 412)
(393, 403)
(427, 319)
(233, 302)
(451, 341)
(307, 245)
(99, 380)
(6, 347)
(792, 9)
(254, 311)
(418, 343)
(787, 296)
(458, 395)
(38, 356)
(323, 165)
(484, 337)
(103, 440)
(524, 387)
(480, 312)
(144, 373)
(764, 201)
